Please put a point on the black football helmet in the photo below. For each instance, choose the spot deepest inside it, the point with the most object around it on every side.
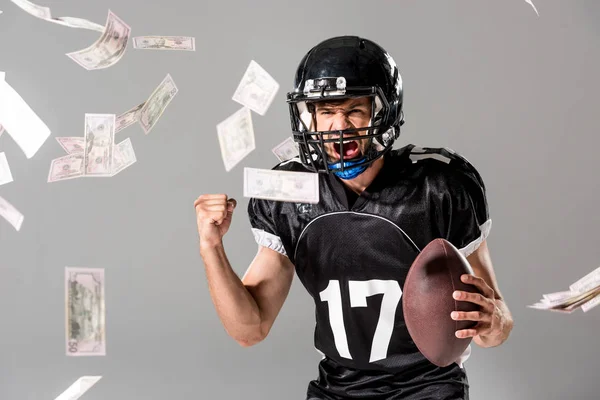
(341, 68)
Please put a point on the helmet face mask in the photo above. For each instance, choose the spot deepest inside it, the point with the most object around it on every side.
(369, 73)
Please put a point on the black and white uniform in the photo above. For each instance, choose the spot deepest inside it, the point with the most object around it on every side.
(352, 253)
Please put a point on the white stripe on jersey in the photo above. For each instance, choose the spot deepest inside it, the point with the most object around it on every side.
(269, 240)
(464, 356)
(474, 245)
(414, 157)
(295, 159)
(352, 212)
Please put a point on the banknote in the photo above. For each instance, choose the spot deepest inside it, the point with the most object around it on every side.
(236, 137)
(20, 121)
(66, 167)
(85, 311)
(72, 144)
(77, 389)
(5, 174)
(584, 293)
(530, 2)
(565, 306)
(34, 9)
(123, 157)
(11, 214)
(108, 49)
(589, 281)
(297, 187)
(164, 43)
(45, 14)
(157, 103)
(99, 144)
(557, 296)
(286, 150)
(73, 22)
(257, 89)
(128, 118)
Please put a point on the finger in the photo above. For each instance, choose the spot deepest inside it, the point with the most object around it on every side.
(216, 208)
(480, 283)
(470, 316)
(466, 333)
(214, 201)
(233, 203)
(208, 197)
(217, 219)
(475, 298)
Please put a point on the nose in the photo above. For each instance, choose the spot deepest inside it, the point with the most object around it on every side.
(340, 121)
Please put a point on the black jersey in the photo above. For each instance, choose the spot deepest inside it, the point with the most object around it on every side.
(353, 260)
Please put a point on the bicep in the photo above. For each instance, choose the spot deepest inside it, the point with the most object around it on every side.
(481, 262)
(268, 279)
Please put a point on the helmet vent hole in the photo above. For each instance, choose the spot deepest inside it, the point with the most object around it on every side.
(361, 45)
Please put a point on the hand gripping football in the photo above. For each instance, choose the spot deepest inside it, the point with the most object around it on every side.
(427, 302)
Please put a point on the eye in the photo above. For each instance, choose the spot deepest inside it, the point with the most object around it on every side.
(325, 112)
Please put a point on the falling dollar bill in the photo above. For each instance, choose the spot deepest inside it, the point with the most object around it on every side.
(236, 137)
(73, 22)
(584, 293)
(20, 121)
(85, 311)
(11, 214)
(257, 89)
(5, 174)
(66, 167)
(286, 150)
(77, 389)
(589, 281)
(99, 144)
(128, 118)
(108, 49)
(297, 187)
(156, 104)
(124, 156)
(530, 2)
(164, 43)
(34, 9)
(45, 14)
(72, 144)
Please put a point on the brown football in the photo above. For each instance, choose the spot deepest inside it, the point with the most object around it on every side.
(427, 302)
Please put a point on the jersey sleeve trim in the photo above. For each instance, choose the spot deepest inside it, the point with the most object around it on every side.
(464, 356)
(269, 240)
(474, 245)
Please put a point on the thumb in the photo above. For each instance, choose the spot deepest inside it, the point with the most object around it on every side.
(231, 205)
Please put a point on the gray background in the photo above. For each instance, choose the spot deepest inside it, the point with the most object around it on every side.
(514, 93)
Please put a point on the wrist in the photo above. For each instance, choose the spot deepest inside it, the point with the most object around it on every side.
(210, 245)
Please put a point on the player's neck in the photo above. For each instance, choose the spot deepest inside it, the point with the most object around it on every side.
(361, 182)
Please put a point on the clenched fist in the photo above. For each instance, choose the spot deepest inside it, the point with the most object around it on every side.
(213, 215)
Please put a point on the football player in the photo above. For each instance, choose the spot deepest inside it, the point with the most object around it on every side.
(378, 207)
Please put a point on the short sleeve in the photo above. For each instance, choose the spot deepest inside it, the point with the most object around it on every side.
(466, 214)
(263, 225)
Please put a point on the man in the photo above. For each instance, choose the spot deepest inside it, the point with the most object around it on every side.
(378, 207)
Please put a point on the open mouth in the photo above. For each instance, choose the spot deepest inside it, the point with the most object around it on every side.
(349, 149)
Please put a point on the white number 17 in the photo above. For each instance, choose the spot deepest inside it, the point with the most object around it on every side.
(359, 291)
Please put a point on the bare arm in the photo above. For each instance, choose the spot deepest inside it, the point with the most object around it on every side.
(248, 307)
